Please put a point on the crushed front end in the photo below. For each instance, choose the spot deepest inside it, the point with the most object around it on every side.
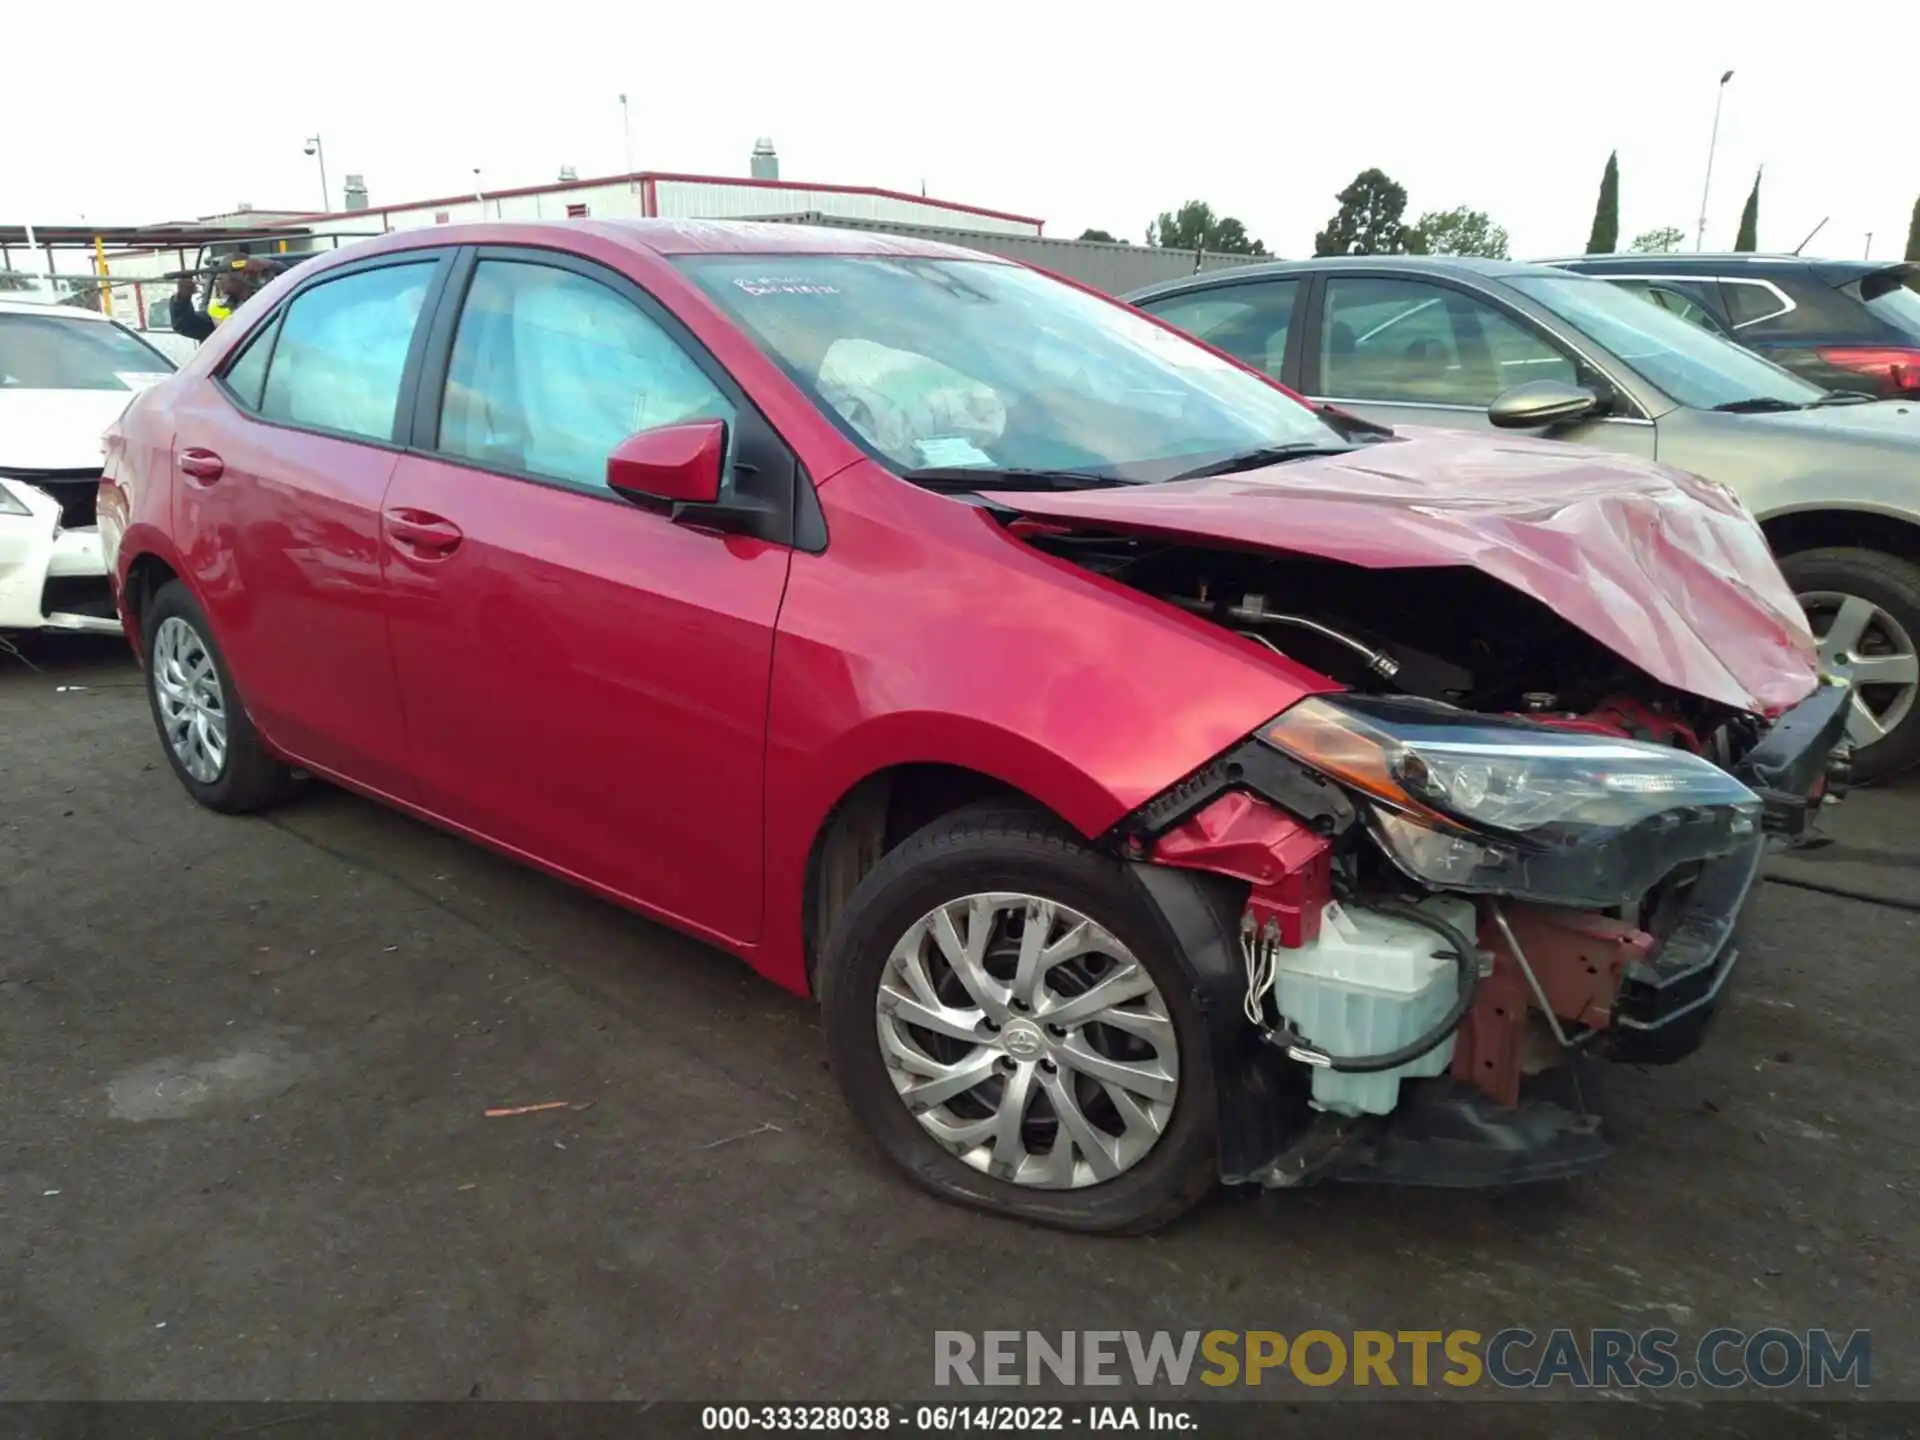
(1437, 907)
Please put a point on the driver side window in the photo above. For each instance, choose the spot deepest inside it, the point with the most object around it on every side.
(1418, 343)
(551, 370)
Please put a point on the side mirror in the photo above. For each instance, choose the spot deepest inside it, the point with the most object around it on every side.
(1542, 402)
(680, 464)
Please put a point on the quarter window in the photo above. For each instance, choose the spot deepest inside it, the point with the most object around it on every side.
(1250, 322)
(1412, 342)
(342, 350)
(1749, 302)
(551, 370)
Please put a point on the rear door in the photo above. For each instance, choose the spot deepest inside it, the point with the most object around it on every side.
(585, 680)
(1415, 351)
(282, 461)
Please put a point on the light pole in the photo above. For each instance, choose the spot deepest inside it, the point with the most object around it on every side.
(326, 197)
(626, 131)
(1700, 234)
(478, 198)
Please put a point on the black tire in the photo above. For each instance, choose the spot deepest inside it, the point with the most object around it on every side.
(249, 778)
(1003, 847)
(1893, 585)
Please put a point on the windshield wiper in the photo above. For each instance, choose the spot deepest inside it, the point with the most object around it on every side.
(1845, 397)
(964, 479)
(1262, 455)
(1757, 405)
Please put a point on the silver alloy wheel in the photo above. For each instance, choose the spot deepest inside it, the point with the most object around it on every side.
(193, 711)
(1028, 1040)
(1863, 643)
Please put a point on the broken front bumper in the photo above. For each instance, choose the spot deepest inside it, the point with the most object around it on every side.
(1667, 1000)
(51, 577)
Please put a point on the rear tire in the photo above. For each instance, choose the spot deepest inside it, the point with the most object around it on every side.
(1137, 1158)
(236, 774)
(1825, 580)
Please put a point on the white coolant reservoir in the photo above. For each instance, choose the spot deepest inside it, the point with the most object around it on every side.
(1371, 983)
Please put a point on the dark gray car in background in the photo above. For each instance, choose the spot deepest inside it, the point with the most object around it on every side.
(1834, 479)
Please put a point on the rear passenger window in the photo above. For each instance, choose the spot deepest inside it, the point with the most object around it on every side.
(551, 370)
(342, 350)
(1749, 302)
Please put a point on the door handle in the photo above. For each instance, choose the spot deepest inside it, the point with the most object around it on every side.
(422, 534)
(202, 464)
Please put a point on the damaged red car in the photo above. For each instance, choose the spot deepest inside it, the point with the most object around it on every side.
(1157, 781)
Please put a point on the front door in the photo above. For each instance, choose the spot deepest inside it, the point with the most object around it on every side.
(282, 464)
(585, 681)
(1418, 352)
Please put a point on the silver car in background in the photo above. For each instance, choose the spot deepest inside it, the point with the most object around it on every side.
(1834, 479)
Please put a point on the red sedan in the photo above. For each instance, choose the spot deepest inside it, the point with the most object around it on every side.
(1156, 779)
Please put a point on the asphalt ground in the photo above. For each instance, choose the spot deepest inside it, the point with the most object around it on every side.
(244, 1154)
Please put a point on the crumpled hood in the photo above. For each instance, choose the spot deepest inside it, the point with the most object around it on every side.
(1666, 570)
(56, 429)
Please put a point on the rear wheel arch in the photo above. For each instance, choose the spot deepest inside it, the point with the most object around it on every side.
(146, 573)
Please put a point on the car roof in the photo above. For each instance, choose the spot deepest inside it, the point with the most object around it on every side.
(10, 306)
(672, 238)
(1725, 262)
(1336, 264)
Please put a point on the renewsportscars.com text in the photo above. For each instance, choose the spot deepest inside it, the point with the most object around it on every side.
(1514, 1358)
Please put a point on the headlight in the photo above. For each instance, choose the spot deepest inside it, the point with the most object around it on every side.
(1469, 802)
(10, 503)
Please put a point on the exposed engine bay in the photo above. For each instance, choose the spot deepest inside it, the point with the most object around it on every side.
(1504, 847)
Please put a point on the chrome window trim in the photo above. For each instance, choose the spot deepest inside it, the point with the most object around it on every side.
(1787, 303)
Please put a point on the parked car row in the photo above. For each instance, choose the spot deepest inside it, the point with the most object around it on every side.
(1830, 475)
(1157, 779)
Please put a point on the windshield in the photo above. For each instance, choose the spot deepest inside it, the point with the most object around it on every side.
(1694, 367)
(945, 364)
(51, 352)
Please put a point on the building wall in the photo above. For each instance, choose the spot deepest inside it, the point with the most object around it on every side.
(724, 200)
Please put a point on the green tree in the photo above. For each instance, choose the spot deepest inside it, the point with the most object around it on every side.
(1098, 235)
(1604, 238)
(1663, 241)
(1913, 234)
(1749, 237)
(1368, 221)
(1194, 226)
(1459, 231)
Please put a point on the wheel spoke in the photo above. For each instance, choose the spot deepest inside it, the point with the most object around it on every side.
(1133, 1115)
(968, 956)
(1156, 1030)
(1885, 670)
(1141, 1077)
(1863, 727)
(940, 1019)
(1009, 1150)
(1087, 1138)
(1129, 982)
(1850, 623)
(1033, 945)
(959, 1079)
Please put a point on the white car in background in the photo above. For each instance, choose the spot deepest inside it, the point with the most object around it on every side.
(65, 376)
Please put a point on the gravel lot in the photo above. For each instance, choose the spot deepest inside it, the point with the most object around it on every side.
(244, 1155)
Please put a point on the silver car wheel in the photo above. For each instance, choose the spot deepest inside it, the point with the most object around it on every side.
(1028, 1040)
(193, 710)
(1862, 643)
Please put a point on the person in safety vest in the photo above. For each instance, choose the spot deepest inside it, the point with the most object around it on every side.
(230, 292)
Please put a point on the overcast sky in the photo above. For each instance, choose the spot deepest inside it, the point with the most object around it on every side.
(1084, 115)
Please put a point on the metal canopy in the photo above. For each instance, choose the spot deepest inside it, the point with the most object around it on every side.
(139, 237)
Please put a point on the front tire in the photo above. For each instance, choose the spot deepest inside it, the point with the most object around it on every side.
(204, 730)
(1864, 608)
(1004, 1018)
